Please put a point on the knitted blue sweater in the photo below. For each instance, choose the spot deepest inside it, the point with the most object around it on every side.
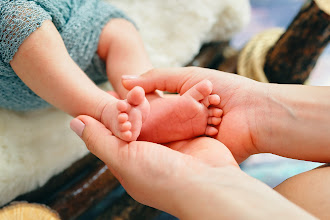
(79, 22)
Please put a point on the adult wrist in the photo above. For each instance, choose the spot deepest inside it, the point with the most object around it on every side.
(204, 193)
(294, 122)
(229, 193)
(257, 114)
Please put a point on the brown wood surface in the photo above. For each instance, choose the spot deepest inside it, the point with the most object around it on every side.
(229, 61)
(210, 55)
(75, 200)
(295, 54)
(127, 209)
(81, 188)
(27, 211)
(76, 172)
(216, 55)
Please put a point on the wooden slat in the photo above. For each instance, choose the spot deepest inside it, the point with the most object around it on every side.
(295, 54)
(89, 191)
(127, 209)
(65, 179)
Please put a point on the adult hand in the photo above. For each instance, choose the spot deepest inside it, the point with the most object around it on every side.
(287, 120)
(192, 179)
(239, 98)
(153, 174)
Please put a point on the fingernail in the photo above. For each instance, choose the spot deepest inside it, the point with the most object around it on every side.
(130, 76)
(77, 126)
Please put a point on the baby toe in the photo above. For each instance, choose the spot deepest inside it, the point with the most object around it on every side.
(136, 96)
(122, 106)
(122, 117)
(214, 99)
(211, 100)
(125, 126)
(206, 102)
(211, 131)
(127, 135)
(200, 91)
(214, 121)
(215, 112)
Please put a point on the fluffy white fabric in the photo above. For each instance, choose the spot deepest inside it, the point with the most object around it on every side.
(35, 146)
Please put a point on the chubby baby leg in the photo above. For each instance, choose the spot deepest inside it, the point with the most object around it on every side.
(122, 49)
(125, 117)
(175, 117)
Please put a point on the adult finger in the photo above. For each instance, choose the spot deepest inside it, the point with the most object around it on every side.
(139, 166)
(125, 158)
(171, 79)
(98, 139)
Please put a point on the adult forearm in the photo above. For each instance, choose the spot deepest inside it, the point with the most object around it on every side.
(228, 193)
(295, 122)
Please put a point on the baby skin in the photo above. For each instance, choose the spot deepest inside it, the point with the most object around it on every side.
(171, 118)
(45, 66)
(125, 117)
(176, 117)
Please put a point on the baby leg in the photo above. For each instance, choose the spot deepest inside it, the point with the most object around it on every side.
(44, 65)
(177, 117)
(122, 49)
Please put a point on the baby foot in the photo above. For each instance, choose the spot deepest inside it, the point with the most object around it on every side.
(125, 117)
(177, 117)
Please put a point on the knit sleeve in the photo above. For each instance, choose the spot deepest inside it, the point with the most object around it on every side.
(18, 19)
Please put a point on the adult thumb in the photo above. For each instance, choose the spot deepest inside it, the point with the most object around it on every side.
(98, 139)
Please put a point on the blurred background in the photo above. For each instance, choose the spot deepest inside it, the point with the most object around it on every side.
(265, 14)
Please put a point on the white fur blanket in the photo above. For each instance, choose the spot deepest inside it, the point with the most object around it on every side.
(35, 146)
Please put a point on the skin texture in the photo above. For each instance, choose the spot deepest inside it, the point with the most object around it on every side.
(237, 107)
(309, 190)
(124, 54)
(43, 56)
(43, 63)
(287, 120)
(193, 110)
(126, 117)
(189, 179)
(251, 112)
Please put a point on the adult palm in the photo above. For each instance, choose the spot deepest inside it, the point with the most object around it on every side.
(239, 99)
(154, 174)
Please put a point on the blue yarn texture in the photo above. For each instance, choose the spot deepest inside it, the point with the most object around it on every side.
(79, 22)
